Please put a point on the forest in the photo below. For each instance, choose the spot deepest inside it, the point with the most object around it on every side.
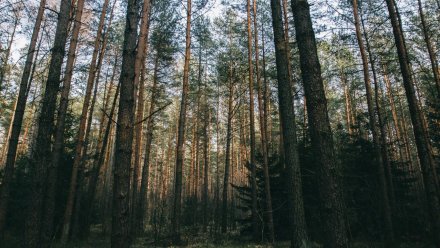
(219, 123)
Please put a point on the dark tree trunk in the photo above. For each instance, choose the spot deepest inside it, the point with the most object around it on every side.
(61, 117)
(81, 135)
(41, 155)
(143, 201)
(205, 165)
(424, 149)
(181, 133)
(139, 83)
(96, 171)
(332, 209)
(120, 236)
(298, 229)
(227, 155)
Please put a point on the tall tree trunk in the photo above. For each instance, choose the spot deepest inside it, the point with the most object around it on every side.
(58, 146)
(18, 120)
(320, 131)
(120, 237)
(378, 159)
(79, 149)
(143, 203)
(84, 200)
(298, 229)
(217, 163)
(180, 151)
(41, 155)
(266, 96)
(205, 164)
(252, 125)
(224, 226)
(191, 181)
(269, 217)
(380, 119)
(97, 167)
(424, 149)
(78, 215)
(139, 74)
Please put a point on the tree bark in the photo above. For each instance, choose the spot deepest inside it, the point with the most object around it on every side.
(41, 154)
(180, 151)
(17, 121)
(143, 201)
(97, 167)
(332, 209)
(120, 236)
(298, 229)
(205, 165)
(224, 226)
(59, 132)
(139, 74)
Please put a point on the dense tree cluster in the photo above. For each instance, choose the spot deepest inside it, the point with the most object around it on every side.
(158, 123)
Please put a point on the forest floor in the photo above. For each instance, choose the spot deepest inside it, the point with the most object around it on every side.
(194, 239)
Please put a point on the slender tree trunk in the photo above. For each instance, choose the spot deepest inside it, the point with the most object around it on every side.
(378, 159)
(41, 154)
(97, 167)
(217, 163)
(424, 149)
(298, 229)
(252, 125)
(180, 151)
(266, 96)
(332, 210)
(120, 237)
(383, 132)
(269, 217)
(58, 146)
(143, 201)
(205, 165)
(227, 154)
(191, 181)
(79, 214)
(81, 136)
(84, 200)
(18, 120)
(106, 93)
(139, 69)
(397, 127)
